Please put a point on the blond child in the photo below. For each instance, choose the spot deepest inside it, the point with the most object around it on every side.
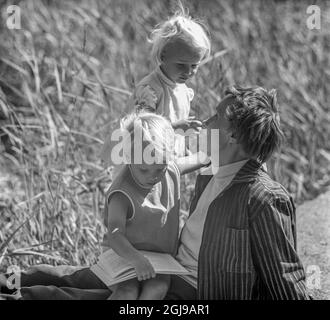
(143, 202)
(178, 46)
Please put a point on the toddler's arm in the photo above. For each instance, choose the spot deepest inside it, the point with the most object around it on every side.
(192, 162)
(118, 208)
(186, 124)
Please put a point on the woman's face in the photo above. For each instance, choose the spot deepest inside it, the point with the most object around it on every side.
(218, 128)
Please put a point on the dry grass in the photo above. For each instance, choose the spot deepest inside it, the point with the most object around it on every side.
(68, 73)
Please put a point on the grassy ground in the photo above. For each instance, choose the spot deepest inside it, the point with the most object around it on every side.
(67, 74)
(313, 223)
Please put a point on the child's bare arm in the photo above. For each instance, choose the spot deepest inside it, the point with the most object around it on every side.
(186, 124)
(192, 162)
(118, 209)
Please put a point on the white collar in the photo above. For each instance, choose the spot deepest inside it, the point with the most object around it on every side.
(165, 79)
(226, 170)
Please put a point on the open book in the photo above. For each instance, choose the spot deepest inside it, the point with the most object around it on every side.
(112, 269)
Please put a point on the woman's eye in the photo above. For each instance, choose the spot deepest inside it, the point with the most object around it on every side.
(194, 66)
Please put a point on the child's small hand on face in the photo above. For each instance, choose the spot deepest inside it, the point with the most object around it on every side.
(195, 123)
(143, 268)
(190, 123)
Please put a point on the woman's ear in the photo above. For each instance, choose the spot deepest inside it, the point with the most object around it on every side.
(162, 56)
(232, 139)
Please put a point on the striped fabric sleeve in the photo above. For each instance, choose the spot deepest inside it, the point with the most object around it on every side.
(272, 232)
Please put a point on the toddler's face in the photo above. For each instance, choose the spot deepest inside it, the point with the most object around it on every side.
(180, 61)
(148, 174)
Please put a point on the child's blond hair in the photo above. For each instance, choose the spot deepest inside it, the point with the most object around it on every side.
(180, 26)
(153, 129)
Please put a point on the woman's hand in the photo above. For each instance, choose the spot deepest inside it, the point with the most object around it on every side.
(143, 268)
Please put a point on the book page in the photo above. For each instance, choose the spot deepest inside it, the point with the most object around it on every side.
(116, 266)
(164, 263)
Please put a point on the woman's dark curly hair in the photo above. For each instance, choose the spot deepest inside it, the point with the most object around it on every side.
(255, 121)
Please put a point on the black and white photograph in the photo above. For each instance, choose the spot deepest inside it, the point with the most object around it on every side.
(164, 150)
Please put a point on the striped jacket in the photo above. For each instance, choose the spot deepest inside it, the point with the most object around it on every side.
(248, 248)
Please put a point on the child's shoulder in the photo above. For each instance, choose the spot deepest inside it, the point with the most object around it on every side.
(150, 87)
(120, 175)
(120, 198)
(151, 80)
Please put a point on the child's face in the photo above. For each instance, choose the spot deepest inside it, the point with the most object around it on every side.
(148, 174)
(180, 61)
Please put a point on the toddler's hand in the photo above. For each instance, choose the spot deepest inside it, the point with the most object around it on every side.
(195, 123)
(190, 123)
(143, 268)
